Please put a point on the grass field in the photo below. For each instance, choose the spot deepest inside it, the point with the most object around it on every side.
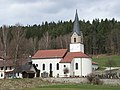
(76, 87)
(101, 60)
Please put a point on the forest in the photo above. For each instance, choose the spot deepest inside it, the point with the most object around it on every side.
(100, 37)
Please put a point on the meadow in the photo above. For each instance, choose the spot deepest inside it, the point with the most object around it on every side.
(76, 87)
(102, 59)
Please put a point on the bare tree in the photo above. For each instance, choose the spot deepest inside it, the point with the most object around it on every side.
(45, 41)
(110, 63)
(67, 40)
(34, 43)
(5, 33)
(18, 35)
(4, 37)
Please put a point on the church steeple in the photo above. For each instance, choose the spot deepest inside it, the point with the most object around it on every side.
(77, 37)
(76, 25)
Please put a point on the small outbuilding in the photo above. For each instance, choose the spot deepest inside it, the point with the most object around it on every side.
(27, 70)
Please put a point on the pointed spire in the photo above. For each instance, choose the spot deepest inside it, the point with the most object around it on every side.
(76, 26)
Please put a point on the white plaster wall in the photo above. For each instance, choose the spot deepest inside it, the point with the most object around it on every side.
(47, 62)
(84, 66)
(1, 72)
(77, 72)
(19, 76)
(87, 66)
(62, 69)
(76, 47)
(82, 48)
(72, 68)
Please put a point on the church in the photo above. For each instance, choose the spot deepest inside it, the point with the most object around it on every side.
(63, 62)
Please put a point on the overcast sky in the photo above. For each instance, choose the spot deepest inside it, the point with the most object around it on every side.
(37, 11)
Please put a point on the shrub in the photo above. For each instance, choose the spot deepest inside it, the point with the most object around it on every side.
(90, 77)
(96, 81)
(93, 79)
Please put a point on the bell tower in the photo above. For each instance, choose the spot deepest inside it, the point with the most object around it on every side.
(77, 37)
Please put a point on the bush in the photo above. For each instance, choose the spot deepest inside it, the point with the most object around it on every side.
(93, 79)
(96, 81)
(90, 77)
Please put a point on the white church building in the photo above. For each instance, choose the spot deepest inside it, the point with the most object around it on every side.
(60, 62)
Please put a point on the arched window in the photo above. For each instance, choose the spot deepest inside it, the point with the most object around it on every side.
(74, 39)
(1, 74)
(76, 66)
(36, 65)
(10, 68)
(57, 66)
(50, 67)
(43, 66)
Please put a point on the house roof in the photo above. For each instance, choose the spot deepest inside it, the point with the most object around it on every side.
(6, 63)
(70, 55)
(26, 67)
(94, 63)
(9, 62)
(58, 53)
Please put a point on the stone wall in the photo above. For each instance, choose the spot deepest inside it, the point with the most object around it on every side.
(111, 81)
(66, 80)
(81, 80)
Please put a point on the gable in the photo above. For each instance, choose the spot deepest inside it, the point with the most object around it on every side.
(32, 69)
(71, 55)
(75, 34)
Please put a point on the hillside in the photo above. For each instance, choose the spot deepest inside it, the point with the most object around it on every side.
(100, 37)
(102, 59)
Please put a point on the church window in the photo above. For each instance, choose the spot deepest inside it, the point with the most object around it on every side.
(17, 74)
(5, 68)
(36, 65)
(10, 68)
(43, 66)
(76, 66)
(1, 74)
(74, 39)
(64, 65)
(57, 66)
(1, 68)
(50, 67)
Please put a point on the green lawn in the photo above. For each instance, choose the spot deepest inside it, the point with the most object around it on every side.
(76, 87)
(101, 60)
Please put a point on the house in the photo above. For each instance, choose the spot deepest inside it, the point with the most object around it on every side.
(113, 72)
(62, 62)
(28, 70)
(5, 66)
(94, 66)
(24, 69)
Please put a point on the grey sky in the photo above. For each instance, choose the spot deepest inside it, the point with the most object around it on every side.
(37, 11)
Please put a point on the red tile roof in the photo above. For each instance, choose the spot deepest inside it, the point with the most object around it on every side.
(6, 63)
(58, 53)
(70, 55)
(94, 63)
(9, 62)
